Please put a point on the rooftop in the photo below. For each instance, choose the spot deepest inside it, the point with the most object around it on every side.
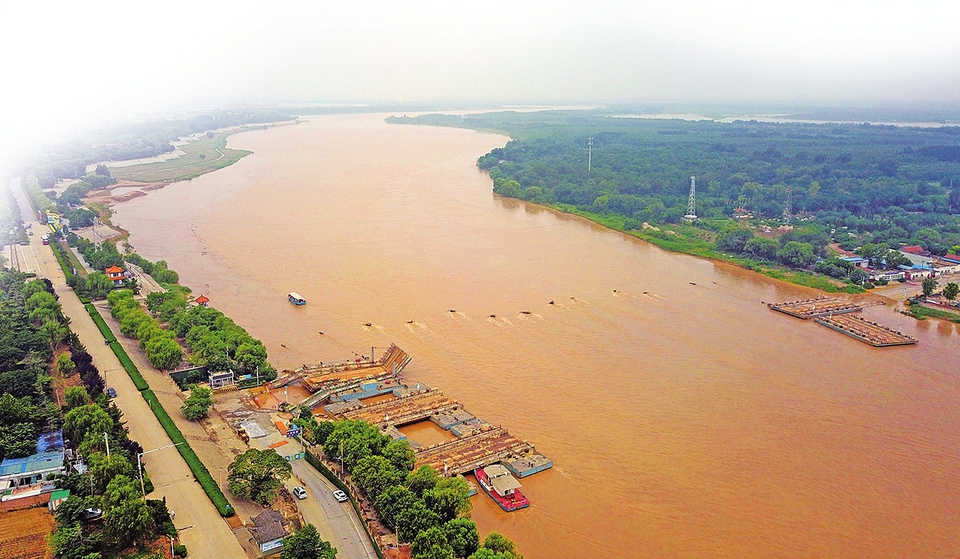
(268, 526)
(49, 456)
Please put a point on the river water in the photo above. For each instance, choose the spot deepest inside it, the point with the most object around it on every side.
(684, 418)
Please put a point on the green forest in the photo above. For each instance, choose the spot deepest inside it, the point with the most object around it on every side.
(853, 184)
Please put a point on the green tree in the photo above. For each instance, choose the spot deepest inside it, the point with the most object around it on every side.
(164, 352)
(69, 542)
(507, 187)
(355, 440)
(374, 474)
(734, 239)
(65, 365)
(450, 498)
(18, 440)
(796, 255)
(75, 397)
(929, 285)
(463, 537)
(400, 455)
(497, 543)
(126, 517)
(895, 258)
(306, 543)
(98, 284)
(391, 502)
(415, 519)
(105, 468)
(431, 544)
(422, 479)
(859, 277)
(258, 475)
(762, 248)
(70, 510)
(197, 405)
(951, 290)
(87, 424)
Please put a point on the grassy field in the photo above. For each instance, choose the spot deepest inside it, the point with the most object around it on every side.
(200, 156)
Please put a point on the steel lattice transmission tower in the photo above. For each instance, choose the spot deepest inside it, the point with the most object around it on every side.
(692, 204)
(788, 209)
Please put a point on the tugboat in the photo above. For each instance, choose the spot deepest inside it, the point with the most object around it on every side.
(296, 298)
(497, 482)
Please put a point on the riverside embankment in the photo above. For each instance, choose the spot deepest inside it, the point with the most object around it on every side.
(683, 420)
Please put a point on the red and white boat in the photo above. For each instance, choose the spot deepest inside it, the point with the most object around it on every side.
(502, 487)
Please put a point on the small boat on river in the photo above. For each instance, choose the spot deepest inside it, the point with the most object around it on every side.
(502, 487)
(296, 298)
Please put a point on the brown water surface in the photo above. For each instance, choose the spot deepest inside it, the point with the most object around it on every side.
(683, 420)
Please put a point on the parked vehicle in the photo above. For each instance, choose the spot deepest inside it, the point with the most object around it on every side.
(91, 514)
(111, 393)
(300, 492)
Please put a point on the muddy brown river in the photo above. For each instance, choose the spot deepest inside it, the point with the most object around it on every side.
(684, 418)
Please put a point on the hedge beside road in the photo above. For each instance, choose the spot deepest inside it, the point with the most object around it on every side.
(101, 324)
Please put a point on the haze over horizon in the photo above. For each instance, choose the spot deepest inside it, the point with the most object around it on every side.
(75, 65)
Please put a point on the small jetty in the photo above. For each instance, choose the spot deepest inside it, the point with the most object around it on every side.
(866, 331)
(812, 308)
(836, 313)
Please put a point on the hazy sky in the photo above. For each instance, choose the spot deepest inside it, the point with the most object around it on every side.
(75, 62)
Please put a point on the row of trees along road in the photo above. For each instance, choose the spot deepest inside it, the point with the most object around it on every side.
(32, 331)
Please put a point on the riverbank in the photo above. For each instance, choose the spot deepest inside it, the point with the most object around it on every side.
(684, 240)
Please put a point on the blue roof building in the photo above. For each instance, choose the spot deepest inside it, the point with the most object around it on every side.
(48, 460)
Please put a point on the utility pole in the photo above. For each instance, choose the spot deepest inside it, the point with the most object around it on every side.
(107, 441)
(140, 464)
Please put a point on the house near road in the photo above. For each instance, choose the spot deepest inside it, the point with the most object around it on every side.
(268, 531)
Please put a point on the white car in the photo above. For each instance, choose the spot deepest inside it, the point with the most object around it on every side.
(340, 496)
(300, 492)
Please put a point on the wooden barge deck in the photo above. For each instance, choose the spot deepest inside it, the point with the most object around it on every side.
(812, 308)
(403, 411)
(475, 451)
(868, 332)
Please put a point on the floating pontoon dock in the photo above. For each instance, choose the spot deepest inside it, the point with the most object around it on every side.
(868, 332)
